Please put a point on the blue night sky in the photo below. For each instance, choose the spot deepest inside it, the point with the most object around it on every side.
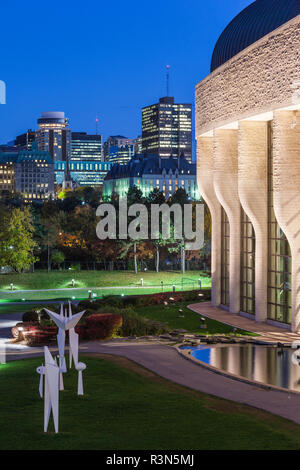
(103, 58)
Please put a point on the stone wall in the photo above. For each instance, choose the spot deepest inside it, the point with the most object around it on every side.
(259, 79)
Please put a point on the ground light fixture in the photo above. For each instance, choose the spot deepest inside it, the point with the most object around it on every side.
(200, 283)
(174, 288)
(11, 286)
(73, 282)
(90, 294)
(142, 281)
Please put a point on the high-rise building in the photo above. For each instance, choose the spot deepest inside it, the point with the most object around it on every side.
(120, 154)
(54, 135)
(115, 141)
(29, 172)
(25, 140)
(167, 129)
(138, 145)
(86, 147)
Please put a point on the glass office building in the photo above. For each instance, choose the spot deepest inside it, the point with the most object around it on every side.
(167, 129)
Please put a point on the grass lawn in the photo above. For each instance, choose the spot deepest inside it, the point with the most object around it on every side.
(126, 407)
(191, 321)
(73, 294)
(86, 279)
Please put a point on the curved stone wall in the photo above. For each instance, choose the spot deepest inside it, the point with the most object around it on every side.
(260, 79)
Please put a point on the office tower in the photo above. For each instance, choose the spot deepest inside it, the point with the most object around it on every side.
(120, 154)
(25, 140)
(54, 135)
(138, 145)
(115, 141)
(86, 147)
(29, 172)
(167, 129)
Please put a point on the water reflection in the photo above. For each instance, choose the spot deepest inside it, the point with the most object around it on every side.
(268, 365)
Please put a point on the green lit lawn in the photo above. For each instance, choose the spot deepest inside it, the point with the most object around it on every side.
(60, 284)
(190, 322)
(62, 279)
(127, 407)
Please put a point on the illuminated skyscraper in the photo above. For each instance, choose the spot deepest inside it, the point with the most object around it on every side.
(54, 135)
(25, 140)
(118, 149)
(167, 129)
(86, 147)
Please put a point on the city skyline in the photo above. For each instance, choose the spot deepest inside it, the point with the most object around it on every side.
(134, 72)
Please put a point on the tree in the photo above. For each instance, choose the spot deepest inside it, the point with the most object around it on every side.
(57, 258)
(16, 240)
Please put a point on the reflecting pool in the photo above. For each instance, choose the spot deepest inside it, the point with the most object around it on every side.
(266, 364)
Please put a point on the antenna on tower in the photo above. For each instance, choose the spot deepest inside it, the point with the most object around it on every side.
(97, 121)
(168, 78)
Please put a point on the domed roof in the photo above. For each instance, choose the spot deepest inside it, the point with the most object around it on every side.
(254, 22)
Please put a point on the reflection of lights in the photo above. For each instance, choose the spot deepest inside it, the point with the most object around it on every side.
(20, 328)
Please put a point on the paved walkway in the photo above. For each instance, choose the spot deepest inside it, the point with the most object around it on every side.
(166, 362)
(268, 332)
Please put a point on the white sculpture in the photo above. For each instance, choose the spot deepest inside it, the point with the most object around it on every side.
(51, 372)
(65, 323)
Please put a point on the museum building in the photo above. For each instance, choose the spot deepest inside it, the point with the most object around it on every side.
(248, 162)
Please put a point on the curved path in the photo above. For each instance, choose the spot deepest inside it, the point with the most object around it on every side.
(166, 362)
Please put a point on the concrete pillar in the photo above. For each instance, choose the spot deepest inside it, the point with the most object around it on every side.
(205, 167)
(253, 192)
(226, 188)
(286, 172)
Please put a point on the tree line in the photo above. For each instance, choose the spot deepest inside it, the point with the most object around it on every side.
(54, 231)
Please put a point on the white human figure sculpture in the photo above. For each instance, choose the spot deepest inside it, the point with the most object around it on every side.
(50, 392)
(64, 323)
(74, 346)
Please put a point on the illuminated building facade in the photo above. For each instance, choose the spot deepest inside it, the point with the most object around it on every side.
(118, 149)
(248, 162)
(83, 173)
(152, 172)
(54, 136)
(86, 147)
(167, 129)
(25, 140)
(29, 172)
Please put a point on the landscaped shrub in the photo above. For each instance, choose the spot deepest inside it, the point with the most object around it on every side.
(31, 315)
(33, 333)
(87, 304)
(136, 325)
(100, 326)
